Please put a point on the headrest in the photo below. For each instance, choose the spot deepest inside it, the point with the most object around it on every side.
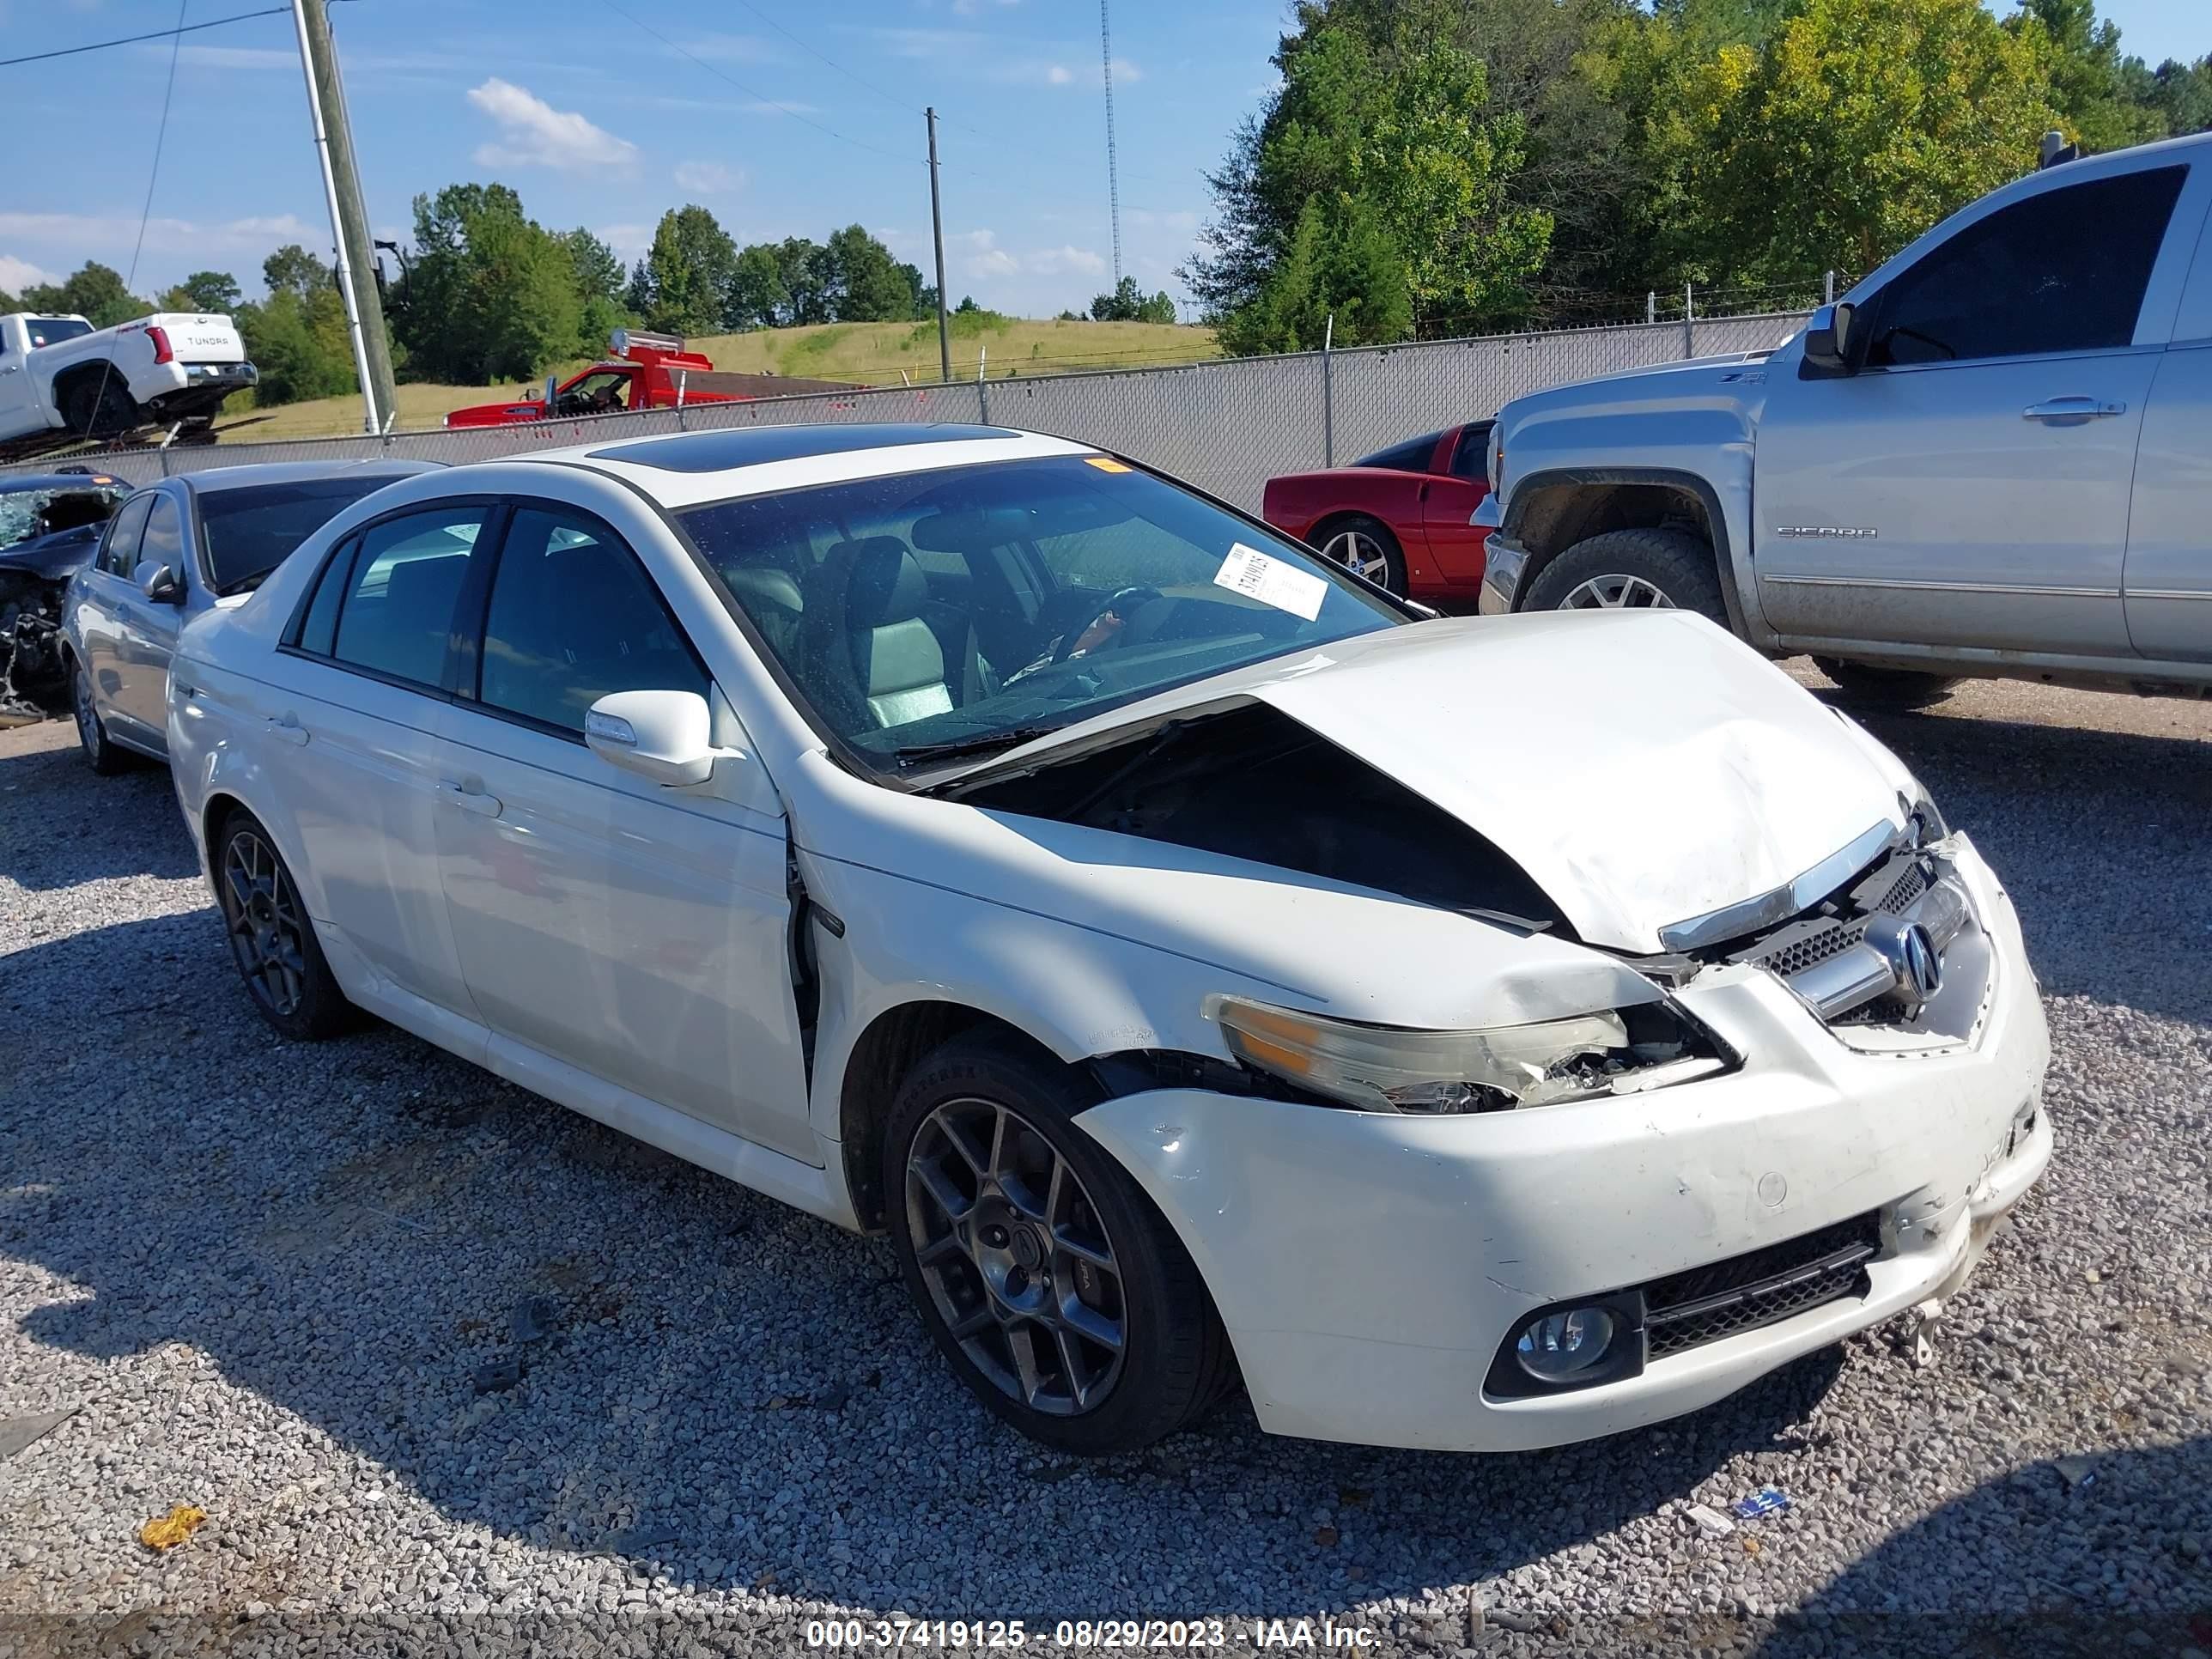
(883, 582)
(764, 584)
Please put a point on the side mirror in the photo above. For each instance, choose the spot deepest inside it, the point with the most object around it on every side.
(552, 391)
(159, 583)
(1828, 340)
(665, 736)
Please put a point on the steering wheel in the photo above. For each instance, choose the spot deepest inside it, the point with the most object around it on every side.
(1123, 600)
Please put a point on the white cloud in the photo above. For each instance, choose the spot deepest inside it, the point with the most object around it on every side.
(77, 233)
(1059, 75)
(16, 275)
(707, 178)
(1051, 261)
(532, 133)
(631, 241)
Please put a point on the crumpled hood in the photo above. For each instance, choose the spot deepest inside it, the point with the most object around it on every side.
(55, 558)
(1643, 768)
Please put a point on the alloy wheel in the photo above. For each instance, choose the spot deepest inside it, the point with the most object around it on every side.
(1617, 593)
(267, 930)
(1358, 550)
(1016, 1257)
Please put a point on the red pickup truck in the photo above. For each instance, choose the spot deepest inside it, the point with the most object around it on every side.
(646, 371)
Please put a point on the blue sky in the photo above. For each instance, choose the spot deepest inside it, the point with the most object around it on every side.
(783, 117)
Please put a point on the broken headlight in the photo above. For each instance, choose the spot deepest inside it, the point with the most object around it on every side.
(1388, 1068)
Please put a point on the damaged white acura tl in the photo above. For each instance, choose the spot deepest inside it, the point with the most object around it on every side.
(1475, 1034)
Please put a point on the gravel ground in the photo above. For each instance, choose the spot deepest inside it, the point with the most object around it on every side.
(262, 1280)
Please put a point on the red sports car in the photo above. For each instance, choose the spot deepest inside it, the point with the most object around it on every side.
(1400, 517)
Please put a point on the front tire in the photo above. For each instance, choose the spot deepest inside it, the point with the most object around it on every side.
(1887, 688)
(1046, 1277)
(1368, 546)
(1659, 569)
(102, 756)
(272, 939)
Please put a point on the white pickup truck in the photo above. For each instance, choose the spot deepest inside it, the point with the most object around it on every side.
(63, 380)
(1991, 456)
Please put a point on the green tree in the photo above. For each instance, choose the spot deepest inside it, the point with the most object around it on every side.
(689, 267)
(292, 270)
(95, 292)
(490, 294)
(2097, 92)
(1341, 263)
(205, 290)
(865, 284)
(1384, 133)
(757, 296)
(599, 279)
(804, 265)
(1128, 303)
(2183, 94)
(1871, 119)
(8, 302)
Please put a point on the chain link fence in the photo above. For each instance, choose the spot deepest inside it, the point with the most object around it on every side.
(1226, 426)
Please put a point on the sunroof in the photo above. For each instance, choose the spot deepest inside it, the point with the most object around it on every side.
(753, 446)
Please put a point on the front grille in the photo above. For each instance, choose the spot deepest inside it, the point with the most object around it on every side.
(1910, 886)
(1795, 949)
(1690, 1309)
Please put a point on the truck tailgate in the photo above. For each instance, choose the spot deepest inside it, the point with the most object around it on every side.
(197, 337)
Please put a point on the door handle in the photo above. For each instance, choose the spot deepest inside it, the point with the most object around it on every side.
(2072, 411)
(289, 728)
(469, 797)
(9, 369)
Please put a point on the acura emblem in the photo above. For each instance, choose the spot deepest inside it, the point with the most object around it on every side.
(1911, 953)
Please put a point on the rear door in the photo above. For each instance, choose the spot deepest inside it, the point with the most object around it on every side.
(98, 597)
(1970, 486)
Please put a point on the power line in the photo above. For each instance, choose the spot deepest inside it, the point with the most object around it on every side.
(134, 40)
(750, 92)
(850, 75)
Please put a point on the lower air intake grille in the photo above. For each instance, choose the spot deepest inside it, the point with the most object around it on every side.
(1688, 1310)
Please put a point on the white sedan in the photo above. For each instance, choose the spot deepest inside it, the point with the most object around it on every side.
(1474, 1034)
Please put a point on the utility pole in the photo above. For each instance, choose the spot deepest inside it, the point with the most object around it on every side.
(937, 230)
(356, 255)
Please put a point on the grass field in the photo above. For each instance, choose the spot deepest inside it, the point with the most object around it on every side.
(867, 354)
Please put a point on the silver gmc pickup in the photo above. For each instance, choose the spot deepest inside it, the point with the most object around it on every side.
(1991, 456)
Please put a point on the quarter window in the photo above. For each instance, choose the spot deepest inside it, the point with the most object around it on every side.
(120, 557)
(573, 618)
(2063, 270)
(398, 614)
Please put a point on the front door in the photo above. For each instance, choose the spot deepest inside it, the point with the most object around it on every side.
(102, 593)
(146, 629)
(1970, 485)
(1448, 502)
(638, 933)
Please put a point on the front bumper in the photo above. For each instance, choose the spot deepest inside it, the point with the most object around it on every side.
(1505, 563)
(1369, 1268)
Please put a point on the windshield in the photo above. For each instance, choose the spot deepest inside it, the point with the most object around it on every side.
(248, 532)
(52, 331)
(27, 513)
(936, 614)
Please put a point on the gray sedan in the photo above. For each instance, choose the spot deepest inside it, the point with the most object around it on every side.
(174, 550)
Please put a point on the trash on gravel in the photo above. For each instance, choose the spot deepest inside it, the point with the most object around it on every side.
(167, 1532)
(2074, 1471)
(17, 1432)
(1765, 1501)
(638, 1540)
(535, 1318)
(497, 1376)
(1710, 1521)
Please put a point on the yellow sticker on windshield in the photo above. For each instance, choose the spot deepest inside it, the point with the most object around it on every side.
(1105, 463)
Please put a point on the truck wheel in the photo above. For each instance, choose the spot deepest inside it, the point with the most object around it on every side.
(1365, 545)
(1655, 569)
(101, 408)
(1887, 688)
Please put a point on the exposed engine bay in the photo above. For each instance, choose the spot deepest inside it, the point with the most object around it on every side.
(46, 536)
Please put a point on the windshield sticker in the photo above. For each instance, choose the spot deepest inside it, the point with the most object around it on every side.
(1104, 464)
(1248, 571)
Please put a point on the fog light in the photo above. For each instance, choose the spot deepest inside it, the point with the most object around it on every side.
(1562, 1345)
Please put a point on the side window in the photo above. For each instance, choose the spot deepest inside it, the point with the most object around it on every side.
(1470, 458)
(398, 612)
(318, 628)
(2063, 270)
(164, 542)
(118, 555)
(573, 617)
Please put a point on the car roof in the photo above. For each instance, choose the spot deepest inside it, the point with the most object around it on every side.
(216, 479)
(15, 482)
(685, 469)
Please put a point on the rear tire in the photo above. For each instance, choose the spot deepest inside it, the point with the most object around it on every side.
(101, 407)
(1887, 688)
(272, 938)
(101, 755)
(1659, 569)
(1022, 1242)
(1368, 546)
